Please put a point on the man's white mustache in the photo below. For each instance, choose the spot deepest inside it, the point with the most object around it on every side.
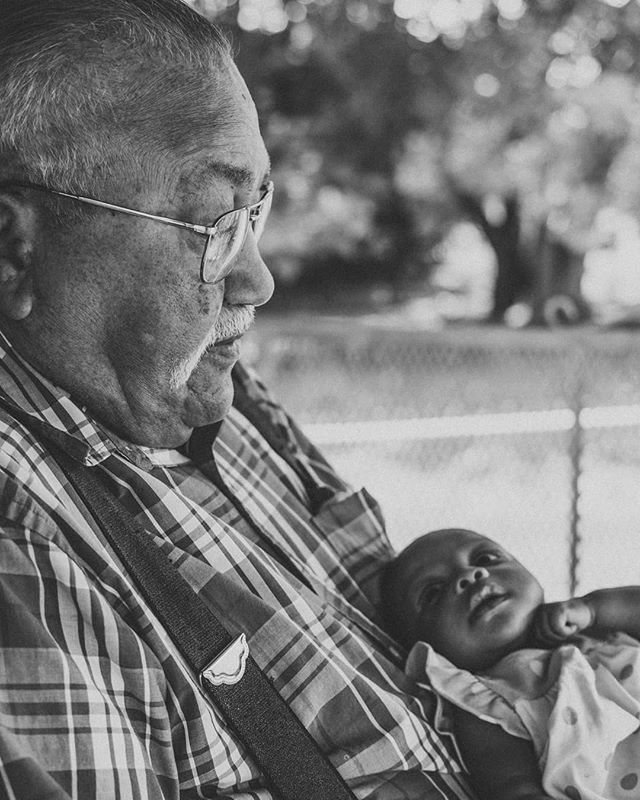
(232, 321)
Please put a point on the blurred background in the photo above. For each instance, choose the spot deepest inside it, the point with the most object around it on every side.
(456, 246)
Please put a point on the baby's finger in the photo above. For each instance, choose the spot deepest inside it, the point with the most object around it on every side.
(541, 627)
(551, 623)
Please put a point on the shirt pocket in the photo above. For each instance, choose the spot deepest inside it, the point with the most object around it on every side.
(353, 527)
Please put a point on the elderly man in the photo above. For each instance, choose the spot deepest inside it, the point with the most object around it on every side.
(134, 187)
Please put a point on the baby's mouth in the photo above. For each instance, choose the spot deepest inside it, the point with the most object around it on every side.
(484, 600)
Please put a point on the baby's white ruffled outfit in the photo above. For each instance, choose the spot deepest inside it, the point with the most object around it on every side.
(579, 704)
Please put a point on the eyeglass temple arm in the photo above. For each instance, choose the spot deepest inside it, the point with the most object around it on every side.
(111, 206)
(202, 229)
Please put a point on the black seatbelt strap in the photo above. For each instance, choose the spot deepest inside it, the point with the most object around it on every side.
(283, 749)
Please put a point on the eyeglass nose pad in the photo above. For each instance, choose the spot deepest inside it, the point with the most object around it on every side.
(259, 221)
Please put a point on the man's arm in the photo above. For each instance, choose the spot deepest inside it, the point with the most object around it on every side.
(601, 611)
(82, 695)
(501, 766)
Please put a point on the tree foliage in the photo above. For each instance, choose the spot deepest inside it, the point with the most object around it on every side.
(388, 121)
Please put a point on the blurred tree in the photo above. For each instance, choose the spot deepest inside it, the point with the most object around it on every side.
(388, 120)
(530, 148)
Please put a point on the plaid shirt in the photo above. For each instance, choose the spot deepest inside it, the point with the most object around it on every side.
(95, 700)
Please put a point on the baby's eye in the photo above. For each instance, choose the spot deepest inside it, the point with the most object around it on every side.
(430, 594)
(487, 558)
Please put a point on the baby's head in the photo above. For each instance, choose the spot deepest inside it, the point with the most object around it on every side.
(463, 594)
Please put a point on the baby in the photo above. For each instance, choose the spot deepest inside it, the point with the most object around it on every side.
(539, 709)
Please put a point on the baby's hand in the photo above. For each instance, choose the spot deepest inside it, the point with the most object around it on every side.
(556, 622)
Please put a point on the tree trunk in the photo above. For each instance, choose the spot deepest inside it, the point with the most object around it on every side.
(558, 296)
(394, 217)
(514, 271)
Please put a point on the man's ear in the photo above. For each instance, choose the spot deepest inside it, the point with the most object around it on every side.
(17, 243)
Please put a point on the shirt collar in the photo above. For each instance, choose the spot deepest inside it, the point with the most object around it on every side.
(68, 424)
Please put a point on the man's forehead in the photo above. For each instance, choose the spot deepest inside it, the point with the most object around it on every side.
(226, 144)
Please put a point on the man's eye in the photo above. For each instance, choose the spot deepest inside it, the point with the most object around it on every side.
(430, 594)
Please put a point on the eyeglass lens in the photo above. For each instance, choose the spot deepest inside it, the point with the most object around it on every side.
(231, 231)
(224, 245)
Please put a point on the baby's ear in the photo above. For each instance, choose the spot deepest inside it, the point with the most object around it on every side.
(18, 230)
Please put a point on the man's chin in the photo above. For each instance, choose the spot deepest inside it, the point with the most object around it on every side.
(208, 394)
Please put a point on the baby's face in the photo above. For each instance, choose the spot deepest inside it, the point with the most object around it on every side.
(467, 597)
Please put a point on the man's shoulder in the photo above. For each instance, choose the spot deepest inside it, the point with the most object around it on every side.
(30, 487)
(21, 454)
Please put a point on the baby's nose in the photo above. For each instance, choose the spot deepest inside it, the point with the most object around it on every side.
(471, 576)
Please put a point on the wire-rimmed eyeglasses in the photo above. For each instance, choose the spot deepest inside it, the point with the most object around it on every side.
(225, 236)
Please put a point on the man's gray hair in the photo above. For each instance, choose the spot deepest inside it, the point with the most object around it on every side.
(94, 88)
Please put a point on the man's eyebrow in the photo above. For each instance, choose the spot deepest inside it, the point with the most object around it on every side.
(235, 173)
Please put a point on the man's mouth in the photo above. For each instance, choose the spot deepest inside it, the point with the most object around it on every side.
(227, 341)
(224, 348)
(484, 600)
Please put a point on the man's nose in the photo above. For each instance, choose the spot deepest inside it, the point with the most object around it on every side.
(250, 282)
(469, 577)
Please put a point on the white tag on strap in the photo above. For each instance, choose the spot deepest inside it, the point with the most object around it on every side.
(228, 667)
